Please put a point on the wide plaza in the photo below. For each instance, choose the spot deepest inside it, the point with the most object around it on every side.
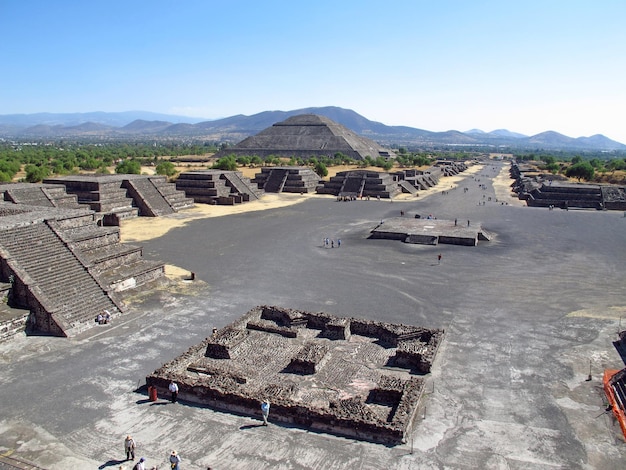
(529, 317)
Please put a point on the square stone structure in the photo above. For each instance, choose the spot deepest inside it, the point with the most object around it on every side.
(430, 231)
(346, 376)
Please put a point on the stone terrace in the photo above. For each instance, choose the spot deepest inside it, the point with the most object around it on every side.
(118, 197)
(286, 179)
(545, 190)
(46, 195)
(346, 376)
(361, 183)
(430, 231)
(65, 268)
(217, 187)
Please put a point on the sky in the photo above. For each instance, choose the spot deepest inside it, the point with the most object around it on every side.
(526, 66)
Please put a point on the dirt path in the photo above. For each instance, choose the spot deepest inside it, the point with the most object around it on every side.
(502, 187)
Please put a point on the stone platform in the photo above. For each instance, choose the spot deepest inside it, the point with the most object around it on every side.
(430, 231)
(345, 376)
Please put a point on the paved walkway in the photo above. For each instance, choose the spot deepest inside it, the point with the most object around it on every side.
(527, 316)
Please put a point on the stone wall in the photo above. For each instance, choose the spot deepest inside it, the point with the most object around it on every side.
(238, 367)
(13, 326)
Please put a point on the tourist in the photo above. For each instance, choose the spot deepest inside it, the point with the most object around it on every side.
(265, 411)
(439, 258)
(332, 243)
(175, 460)
(100, 319)
(129, 447)
(107, 316)
(173, 388)
(140, 465)
(338, 242)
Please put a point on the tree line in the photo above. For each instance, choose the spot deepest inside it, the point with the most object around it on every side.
(588, 169)
(41, 160)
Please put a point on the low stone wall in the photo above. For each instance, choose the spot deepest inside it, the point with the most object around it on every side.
(13, 326)
(308, 359)
(236, 368)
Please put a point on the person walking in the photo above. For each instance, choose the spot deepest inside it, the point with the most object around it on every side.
(439, 258)
(175, 460)
(265, 411)
(129, 447)
(140, 465)
(173, 388)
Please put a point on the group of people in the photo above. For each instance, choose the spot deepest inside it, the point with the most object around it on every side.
(330, 242)
(103, 319)
(129, 448)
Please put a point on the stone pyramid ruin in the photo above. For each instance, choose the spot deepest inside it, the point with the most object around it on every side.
(305, 136)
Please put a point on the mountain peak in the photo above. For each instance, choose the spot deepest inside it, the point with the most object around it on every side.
(239, 127)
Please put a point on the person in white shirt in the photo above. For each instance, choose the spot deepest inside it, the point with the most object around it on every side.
(174, 390)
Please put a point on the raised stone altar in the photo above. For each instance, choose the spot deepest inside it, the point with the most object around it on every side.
(345, 376)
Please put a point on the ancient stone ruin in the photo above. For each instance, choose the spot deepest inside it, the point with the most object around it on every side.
(60, 264)
(286, 179)
(305, 136)
(547, 190)
(119, 197)
(217, 187)
(425, 231)
(361, 183)
(428, 178)
(345, 376)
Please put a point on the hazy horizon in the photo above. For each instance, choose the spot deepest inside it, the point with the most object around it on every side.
(528, 67)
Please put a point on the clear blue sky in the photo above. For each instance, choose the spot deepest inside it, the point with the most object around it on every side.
(527, 66)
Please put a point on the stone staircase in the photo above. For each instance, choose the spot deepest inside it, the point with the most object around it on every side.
(287, 179)
(243, 186)
(52, 281)
(407, 187)
(177, 200)
(566, 196)
(119, 197)
(216, 187)
(155, 196)
(361, 182)
(117, 266)
(275, 181)
(39, 195)
(353, 185)
(147, 197)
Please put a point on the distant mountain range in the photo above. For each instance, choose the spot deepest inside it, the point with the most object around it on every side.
(146, 125)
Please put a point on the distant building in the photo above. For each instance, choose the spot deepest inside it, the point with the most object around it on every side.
(305, 136)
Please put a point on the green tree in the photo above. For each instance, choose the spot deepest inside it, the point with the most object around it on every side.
(128, 167)
(35, 174)
(243, 160)
(166, 168)
(227, 163)
(581, 170)
(321, 169)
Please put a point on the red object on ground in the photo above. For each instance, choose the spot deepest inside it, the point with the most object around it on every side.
(152, 393)
(614, 384)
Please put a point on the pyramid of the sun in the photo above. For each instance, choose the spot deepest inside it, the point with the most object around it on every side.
(307, 135)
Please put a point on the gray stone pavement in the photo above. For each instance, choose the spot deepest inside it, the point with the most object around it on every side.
(528, 315)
